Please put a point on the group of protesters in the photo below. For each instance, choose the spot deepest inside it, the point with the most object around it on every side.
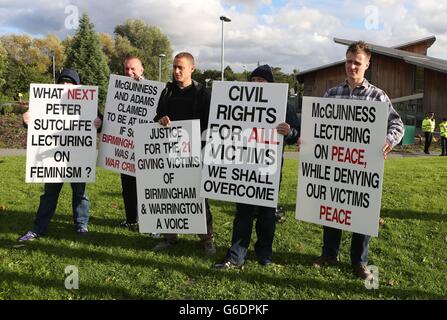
(185, 99)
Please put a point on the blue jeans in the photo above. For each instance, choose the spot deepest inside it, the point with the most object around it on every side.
(359, 245)
(48, 204)
(242, 228)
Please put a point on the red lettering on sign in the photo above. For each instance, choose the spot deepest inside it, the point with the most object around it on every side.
(340, 216)
(81, 94)
(350, 155)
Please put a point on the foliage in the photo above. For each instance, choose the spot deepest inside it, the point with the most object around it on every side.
(108, 46)
(85, 55)
(134, 37)
(202, 76)
(28, 60)
(12, 132)
(3, 65)
(94, 55)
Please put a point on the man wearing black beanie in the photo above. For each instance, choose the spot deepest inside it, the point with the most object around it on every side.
(48, 201)
(265, 216)
(264, 72)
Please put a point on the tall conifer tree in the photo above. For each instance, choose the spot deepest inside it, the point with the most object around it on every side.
(86, 57)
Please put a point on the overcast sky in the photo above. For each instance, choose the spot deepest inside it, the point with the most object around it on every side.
(294, 34)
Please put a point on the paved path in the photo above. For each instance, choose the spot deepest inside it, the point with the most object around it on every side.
(12, 152)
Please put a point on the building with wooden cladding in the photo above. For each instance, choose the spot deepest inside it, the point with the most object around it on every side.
(416, 83)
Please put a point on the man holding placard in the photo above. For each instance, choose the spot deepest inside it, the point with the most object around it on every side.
(132, 68)
(130, 100)
(58, 139)
(357, 87)
(247, 213)
(185, 99)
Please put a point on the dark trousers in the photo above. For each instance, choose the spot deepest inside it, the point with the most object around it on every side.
(359, 245)
(208, 236)
(129, 186)
(242, 229)
(48, 203)
(428, 138)
(444, 146)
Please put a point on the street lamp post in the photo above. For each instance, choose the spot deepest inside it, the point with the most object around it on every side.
(161, 55)
(223, 19)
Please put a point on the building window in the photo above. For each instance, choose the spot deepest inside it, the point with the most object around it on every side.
(410, 111)
(418, 79)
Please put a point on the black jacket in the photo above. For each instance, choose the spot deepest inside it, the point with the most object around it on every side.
(201, 104)
(295, 126)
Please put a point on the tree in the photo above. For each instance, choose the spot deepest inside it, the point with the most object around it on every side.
(229, 74)
(198, 76)
(85, 55)
(201, 77)
(241, 76)
(108, 46)
(48, 47)
(282, 77)
(3, 65)
(26, 63)
(134, 37)
(123, 48)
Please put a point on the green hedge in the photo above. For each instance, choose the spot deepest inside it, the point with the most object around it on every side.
(12, 107)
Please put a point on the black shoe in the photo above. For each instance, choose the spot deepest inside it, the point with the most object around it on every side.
(227, 264)
(129, 225)
(322, 261)
(265, 262)
(163, 245)
(82, 231)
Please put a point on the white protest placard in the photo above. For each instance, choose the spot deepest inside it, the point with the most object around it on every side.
(341, 163)
(128, 103)
(168, 167)
(61, 142)
(242, 156)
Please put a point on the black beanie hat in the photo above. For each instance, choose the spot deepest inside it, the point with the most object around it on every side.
(264, 71)
(69, 75)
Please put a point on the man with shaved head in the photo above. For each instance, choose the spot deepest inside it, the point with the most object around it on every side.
(185, 99)
(132, 67)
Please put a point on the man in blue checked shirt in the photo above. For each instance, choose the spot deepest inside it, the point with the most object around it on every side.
(357, 87)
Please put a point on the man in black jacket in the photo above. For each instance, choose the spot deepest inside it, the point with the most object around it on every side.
(185, 99)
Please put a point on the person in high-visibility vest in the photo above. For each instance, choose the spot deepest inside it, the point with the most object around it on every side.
(443, 129)
(428, 127)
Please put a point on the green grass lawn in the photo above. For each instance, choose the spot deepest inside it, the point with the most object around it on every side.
(410, 252)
